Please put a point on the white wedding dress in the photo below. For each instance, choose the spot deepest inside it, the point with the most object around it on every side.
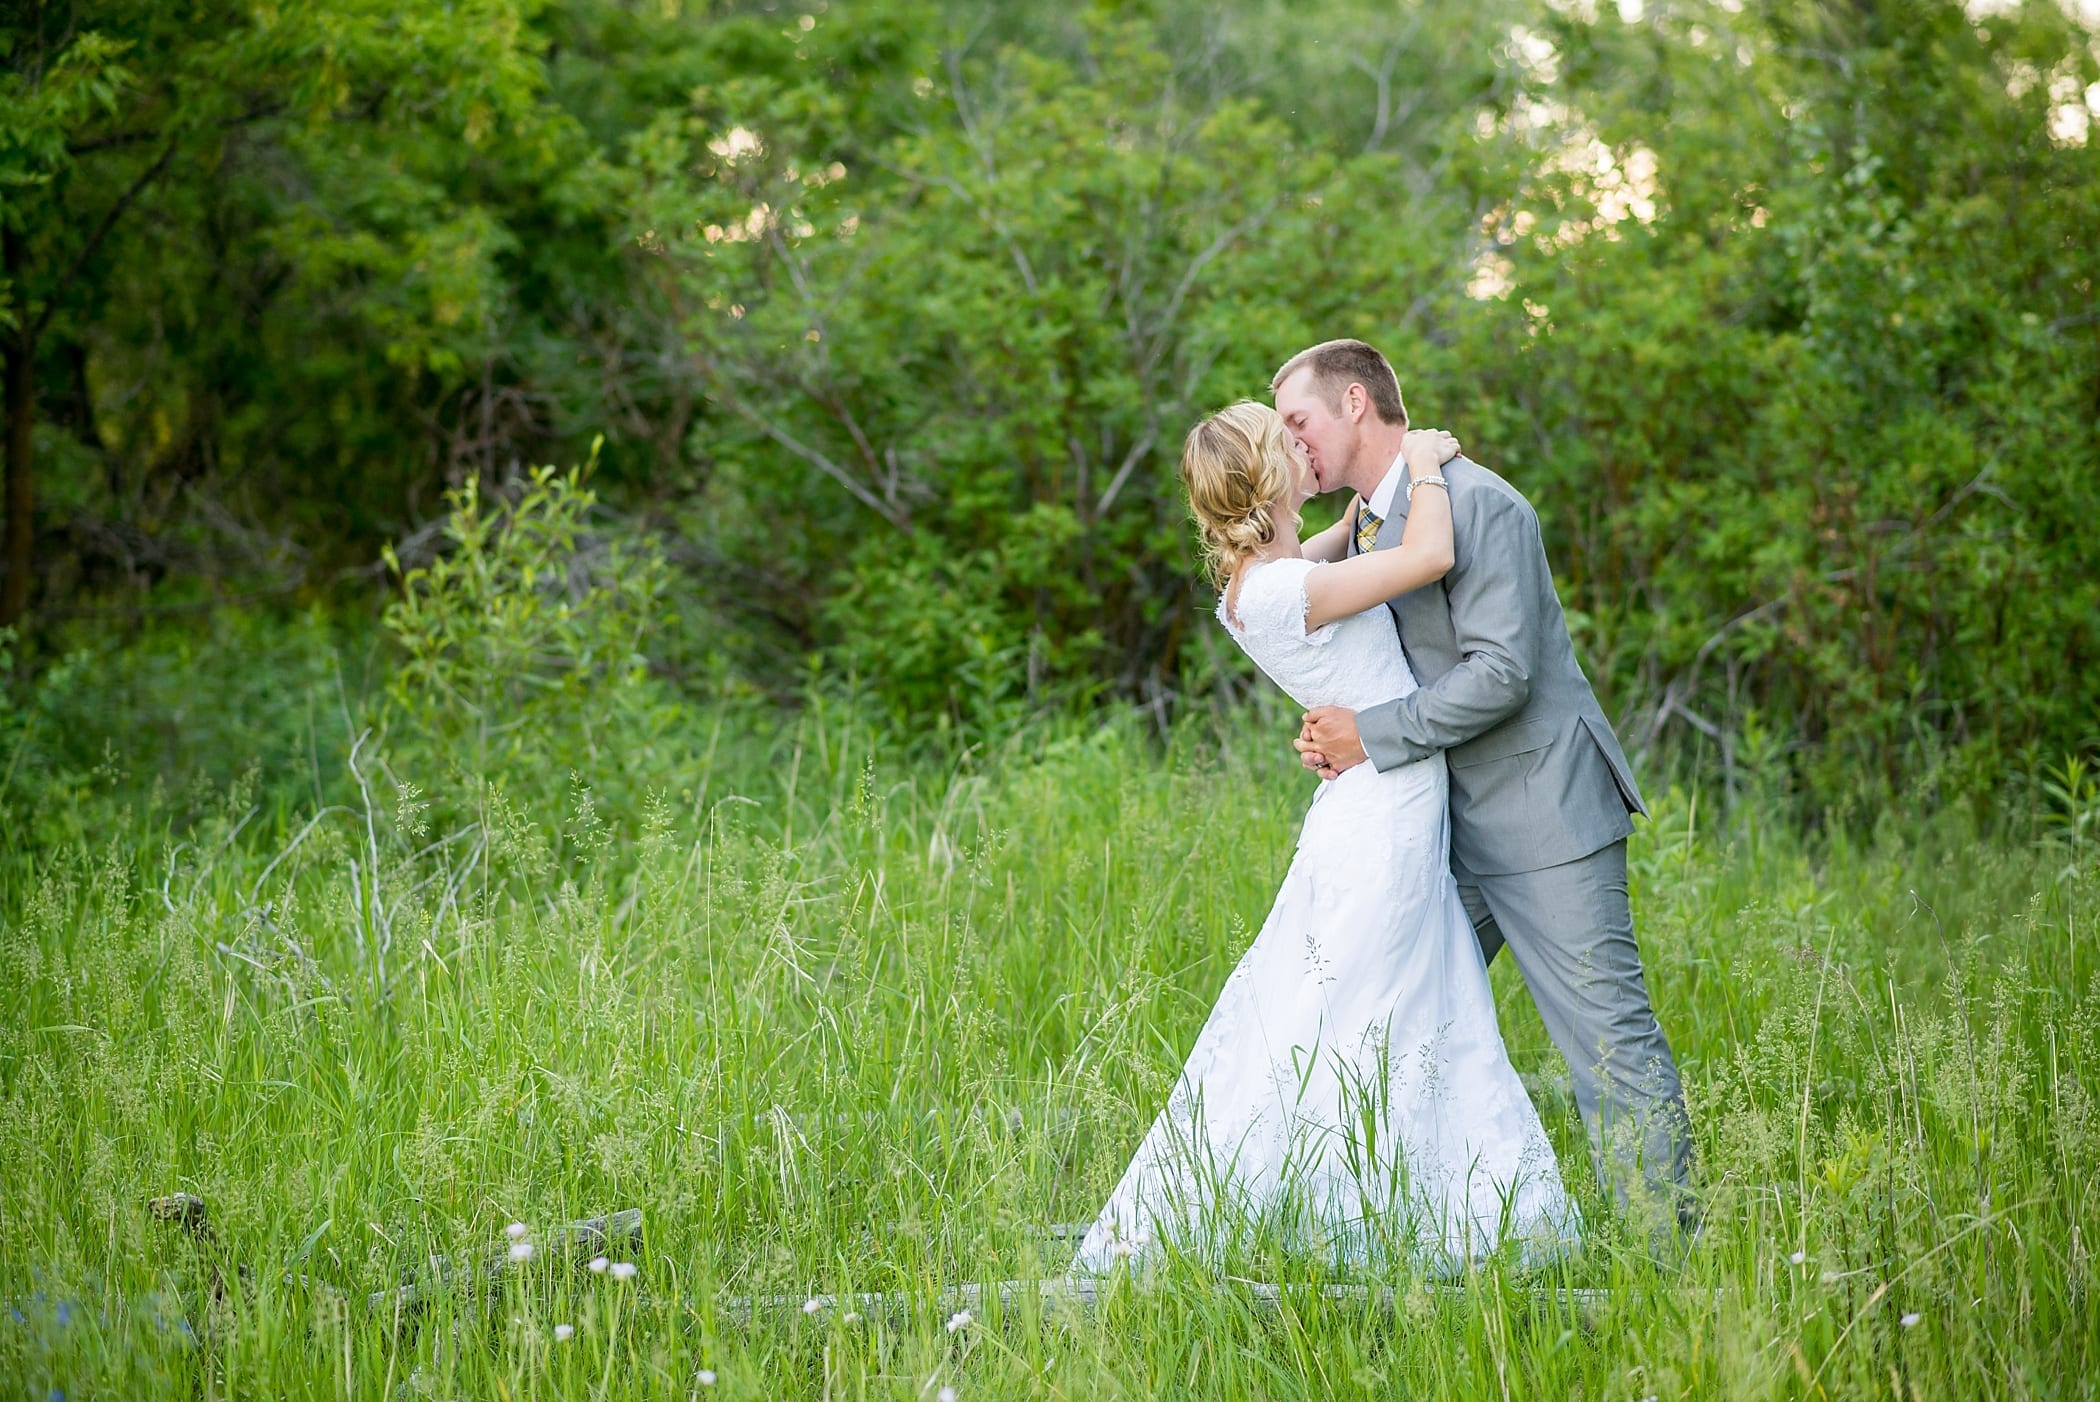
(1350, 1095)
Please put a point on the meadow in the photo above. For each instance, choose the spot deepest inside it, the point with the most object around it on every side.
(840, 1013)
(816, 825)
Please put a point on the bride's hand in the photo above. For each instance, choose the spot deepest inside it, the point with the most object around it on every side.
(1330, 733)
(1427, 449)
(1308, 756)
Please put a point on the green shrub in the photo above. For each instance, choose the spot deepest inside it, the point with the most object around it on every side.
(518, 653)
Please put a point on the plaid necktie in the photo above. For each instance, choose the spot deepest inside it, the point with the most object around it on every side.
(1367, 524)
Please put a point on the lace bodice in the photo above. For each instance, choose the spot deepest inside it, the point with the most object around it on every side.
(1354, 662)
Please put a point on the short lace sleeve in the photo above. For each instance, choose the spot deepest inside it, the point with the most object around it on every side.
(1272, 602)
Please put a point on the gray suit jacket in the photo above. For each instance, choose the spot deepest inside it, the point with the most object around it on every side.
(1537, 775)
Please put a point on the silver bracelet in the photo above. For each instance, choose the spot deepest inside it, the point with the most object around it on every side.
(1414, 482)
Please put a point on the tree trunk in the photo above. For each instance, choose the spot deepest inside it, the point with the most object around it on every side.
(21, 406)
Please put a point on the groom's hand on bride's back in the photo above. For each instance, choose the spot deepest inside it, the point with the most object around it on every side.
(1328, 742)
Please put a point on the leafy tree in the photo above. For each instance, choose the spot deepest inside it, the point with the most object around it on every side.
(956, 364)
(892, 316)
(145, 154)
(1808, 375)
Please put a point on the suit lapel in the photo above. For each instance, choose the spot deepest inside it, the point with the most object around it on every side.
(1421, 616)
(1386, 534)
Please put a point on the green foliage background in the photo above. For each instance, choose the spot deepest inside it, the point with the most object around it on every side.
(891, 316)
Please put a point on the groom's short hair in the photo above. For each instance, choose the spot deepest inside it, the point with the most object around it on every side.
(1336, 365)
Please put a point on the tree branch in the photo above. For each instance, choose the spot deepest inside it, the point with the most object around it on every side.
(117, 140)
(814, 457)
(111, 142)
(1129, 464)
(88, 250)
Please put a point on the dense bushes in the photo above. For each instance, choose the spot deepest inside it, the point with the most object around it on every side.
(1784, 319)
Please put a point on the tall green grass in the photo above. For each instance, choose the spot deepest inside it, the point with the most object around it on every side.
(840, 1016)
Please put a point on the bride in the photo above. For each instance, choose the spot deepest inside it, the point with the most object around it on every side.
(1349, 1096)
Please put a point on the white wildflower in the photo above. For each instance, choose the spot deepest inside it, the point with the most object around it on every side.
(812, 1305)
(946, 1394)
(1123, 1250)
(1798, 1257)
(521, 1251)
(564, 1332)
(516, 1231)
(705, 1377)
(959, 1321)
(625, 1270)
(1910, 1321)
(851, 1316)
(598, 1264)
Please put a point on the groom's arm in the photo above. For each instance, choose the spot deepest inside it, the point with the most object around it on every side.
(1494, 587)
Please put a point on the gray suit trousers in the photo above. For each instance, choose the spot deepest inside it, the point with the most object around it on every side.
(1570, 928)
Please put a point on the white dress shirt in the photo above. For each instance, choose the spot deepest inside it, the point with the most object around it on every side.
(1381, 502)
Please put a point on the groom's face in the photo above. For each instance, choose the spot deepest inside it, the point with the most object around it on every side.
(1328, 438)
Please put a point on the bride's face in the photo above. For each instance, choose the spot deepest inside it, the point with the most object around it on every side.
(1300, 486)
(1305, 483)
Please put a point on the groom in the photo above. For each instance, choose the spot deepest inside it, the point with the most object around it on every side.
(1541, 795)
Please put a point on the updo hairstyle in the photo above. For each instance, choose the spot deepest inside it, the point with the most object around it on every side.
(1237, 467)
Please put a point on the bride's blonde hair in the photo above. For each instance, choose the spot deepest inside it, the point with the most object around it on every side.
(1237, 466)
